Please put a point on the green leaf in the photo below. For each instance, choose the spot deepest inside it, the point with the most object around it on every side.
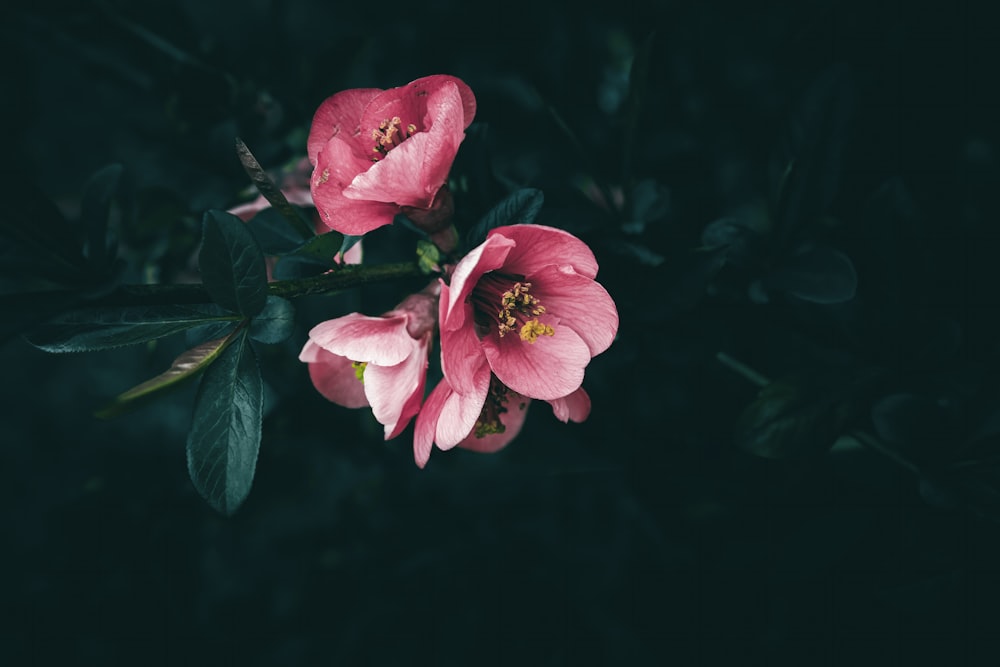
(273, 233)
(225, 432)
(521, 207)
(89, 329)
(275, 323)
(815, 273)
(310, 258)
(272, 193)
(95, 209)
(185, 367)
(232, 264)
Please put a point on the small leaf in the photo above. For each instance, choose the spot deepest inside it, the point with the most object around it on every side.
(275, 323)
(519, 208)
(89, 329)
(805, 168)
(95, 209)
(272, 193)
(818, 274)
(313, 257)
(225, 432)
(184, 367)
(428, 257)
(232, 264)
(273, 233)
(801, 415)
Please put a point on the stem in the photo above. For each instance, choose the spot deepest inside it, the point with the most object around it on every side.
(744, 370)
(338, 279)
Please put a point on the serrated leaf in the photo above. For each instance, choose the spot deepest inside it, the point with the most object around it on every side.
(272, 193)
(185, 367)
(90, 329)
(95, 208)
(521, 207)
(815, 273)
(225, 432)
(275, 323)
(232, 264)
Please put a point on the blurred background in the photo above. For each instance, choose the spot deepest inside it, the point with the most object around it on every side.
(791, 458)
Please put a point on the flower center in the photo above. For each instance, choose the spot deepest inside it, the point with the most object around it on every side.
(389, 134)
(359, 370)
(497, 398)
(515, 307)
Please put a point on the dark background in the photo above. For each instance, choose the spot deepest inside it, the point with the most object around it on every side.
(654, 533)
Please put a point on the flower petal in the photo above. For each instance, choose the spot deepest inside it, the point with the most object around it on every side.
(333, 376)
(513, 420)
(338, 114)
(549, 368)
(487, 256)
(395, 392)
(429, 83)
(575, 407)
(579, 303)
(377, 340)
(461, 411)
(426, 426)
(538, 246)
(461, 353)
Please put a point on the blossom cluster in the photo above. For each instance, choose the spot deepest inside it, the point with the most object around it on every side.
(518, 318)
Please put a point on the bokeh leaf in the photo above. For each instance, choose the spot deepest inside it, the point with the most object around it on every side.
(521, 207)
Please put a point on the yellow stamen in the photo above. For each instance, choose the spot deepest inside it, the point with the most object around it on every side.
(359, 370)
(532, 329)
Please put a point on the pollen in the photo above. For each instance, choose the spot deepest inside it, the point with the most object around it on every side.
(532, 329)
(359, 370)
(389, 134)
(519, 301)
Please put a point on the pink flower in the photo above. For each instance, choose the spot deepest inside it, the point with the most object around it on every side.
(486, 419)
(356, 360)
(382, 152)
(526, 301)
(521, 319)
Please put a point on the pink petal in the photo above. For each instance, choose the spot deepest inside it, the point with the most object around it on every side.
(513, 420)
(461, 411)
(333, 376)
(551, 367)
(395, 392)
(339, 113)
(487, 256)
(461, 354)
(412, 173)
(579, 303)
(575, 407)
(347, 216)
(539, 246)
(378, 340)
(426, 425)
(430, 83)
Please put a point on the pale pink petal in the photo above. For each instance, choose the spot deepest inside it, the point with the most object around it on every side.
(538, 246)
(461, 355)
(400, 176)
(575, 407)
(461, 411)
(579, 303)
(551, 367)
(339, 113)
(334, 377)
(427, 419)
(378, 340)
(391, 389)
(487, 256)
(353, 255)
(513, 420)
